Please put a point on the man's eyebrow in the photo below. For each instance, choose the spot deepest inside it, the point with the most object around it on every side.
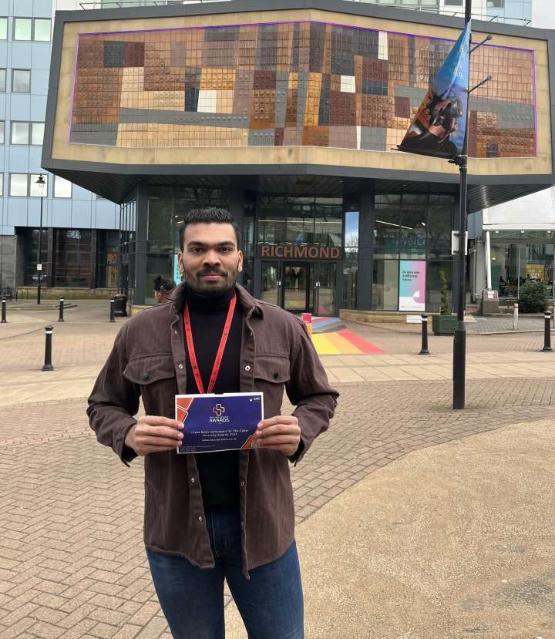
(203, 244)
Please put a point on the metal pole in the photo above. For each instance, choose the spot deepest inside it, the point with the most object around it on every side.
(112, 317)
(48, 349)
(459, 341)
(61, 315)
(547, 333)
(39, 271)
(424, 350)
(488, 261)
(4, 320)
(515, 316)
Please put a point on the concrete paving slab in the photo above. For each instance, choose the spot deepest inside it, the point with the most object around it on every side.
(449, 542)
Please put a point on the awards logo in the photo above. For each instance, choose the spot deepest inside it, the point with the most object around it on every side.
(219, 417)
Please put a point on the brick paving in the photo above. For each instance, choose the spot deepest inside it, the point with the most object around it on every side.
(72, 563)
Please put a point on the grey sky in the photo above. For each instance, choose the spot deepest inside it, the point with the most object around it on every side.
(543, 14)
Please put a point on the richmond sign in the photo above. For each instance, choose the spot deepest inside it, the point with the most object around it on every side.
(300, 252)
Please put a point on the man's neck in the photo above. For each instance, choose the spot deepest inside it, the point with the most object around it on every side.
(211, 302)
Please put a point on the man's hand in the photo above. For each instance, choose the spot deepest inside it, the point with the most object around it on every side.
(153, 434)
(281, 432)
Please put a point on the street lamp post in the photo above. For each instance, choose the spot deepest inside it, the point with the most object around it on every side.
(41, 183)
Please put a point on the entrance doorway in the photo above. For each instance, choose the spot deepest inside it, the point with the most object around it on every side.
(300, 287)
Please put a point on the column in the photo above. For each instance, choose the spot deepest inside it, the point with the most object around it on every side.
(365, 245)
(141, 241)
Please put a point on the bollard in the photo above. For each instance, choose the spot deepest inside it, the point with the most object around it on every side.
(547, 333)
(4, 320)
(61, 315)
(515, 316)
(48, 349)
(112, 316)
(424, 350)
(307, 320)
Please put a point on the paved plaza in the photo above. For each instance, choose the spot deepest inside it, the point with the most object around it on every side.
(414, 521)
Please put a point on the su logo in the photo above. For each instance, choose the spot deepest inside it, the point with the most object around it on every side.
(218, 410)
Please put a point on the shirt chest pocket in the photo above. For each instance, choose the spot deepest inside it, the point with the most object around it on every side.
(271, 373)
(155, 375)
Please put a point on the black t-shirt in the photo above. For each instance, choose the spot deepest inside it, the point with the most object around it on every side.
(219, 472)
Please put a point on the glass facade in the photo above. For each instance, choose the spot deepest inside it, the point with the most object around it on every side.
(302, 252)
(414, 227)
(72, 258)
(519, 257)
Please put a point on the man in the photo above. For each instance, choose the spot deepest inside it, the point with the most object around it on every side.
(162, 288)
(216, 516)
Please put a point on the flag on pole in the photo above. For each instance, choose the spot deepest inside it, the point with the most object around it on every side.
(439, 127)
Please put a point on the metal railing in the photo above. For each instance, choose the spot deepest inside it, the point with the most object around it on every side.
(454, 13)
(486, 17)
(123, 4)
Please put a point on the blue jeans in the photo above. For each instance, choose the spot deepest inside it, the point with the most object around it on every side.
(270, 603)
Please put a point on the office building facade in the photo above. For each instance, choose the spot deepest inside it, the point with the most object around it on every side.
(79, 230)
(289, 116)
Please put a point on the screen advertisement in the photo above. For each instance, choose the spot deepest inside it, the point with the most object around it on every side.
(412, 285)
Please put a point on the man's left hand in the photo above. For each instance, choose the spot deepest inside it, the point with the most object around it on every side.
(281, 432)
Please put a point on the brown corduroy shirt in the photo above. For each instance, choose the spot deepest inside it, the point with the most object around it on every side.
(148, 361)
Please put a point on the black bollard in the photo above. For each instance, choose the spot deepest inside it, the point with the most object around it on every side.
(112, 316)
(61, 315)
(4, 320)
(424, 350)
(48, 349)
(547, 332)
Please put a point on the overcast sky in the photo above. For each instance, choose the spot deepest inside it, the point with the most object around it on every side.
(543, 14)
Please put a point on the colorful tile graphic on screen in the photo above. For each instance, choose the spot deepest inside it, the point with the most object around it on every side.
(287, 84)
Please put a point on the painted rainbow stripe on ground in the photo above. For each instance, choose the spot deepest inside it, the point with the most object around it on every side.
(343, 342)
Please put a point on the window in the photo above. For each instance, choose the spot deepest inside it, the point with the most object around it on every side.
(38, 190)
(20, 133)
(25, 185)
(42, 30)
(19, 183)
(37, 133)
(62, 188)
(2, 126)
(21, 81)
(3, 28)
(496, 4)
(2, 80)
(1, 184)
(27, 133)
(453, 3)
(22, 28)
(37, 29)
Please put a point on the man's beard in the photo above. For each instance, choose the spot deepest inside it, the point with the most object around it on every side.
(200, 286)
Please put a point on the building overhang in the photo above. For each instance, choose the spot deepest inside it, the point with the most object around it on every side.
(114, 172)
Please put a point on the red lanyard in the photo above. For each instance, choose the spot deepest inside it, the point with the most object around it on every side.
(219, 353)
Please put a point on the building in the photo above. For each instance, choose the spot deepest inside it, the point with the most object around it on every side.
(79, 230)
(509, 11)
(289, 116)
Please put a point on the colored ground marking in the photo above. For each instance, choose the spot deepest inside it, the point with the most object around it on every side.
(343, 342)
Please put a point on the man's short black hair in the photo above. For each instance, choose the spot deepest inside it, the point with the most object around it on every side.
(163, 285)
(211, 215)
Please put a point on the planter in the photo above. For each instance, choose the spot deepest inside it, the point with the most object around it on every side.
(444, 324)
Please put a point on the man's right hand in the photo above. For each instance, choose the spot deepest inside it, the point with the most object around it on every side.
(154, 434)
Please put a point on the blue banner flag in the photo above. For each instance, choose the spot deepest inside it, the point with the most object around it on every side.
(439, 127)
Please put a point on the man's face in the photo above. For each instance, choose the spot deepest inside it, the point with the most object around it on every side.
(210, 259)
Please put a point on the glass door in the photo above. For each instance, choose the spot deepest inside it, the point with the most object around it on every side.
(270, 283)
(324, 288)
(297, 287)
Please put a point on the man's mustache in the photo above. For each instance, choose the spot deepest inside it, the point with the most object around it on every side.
(212, 271)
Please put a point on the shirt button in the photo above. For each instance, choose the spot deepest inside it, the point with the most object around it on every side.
(200, 518)
(242, 484)
(180, 366)
(247, 368)
(175, 332)
(192, 480)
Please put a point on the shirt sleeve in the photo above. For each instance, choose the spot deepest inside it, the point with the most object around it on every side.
(114, 401)
(309, 390)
